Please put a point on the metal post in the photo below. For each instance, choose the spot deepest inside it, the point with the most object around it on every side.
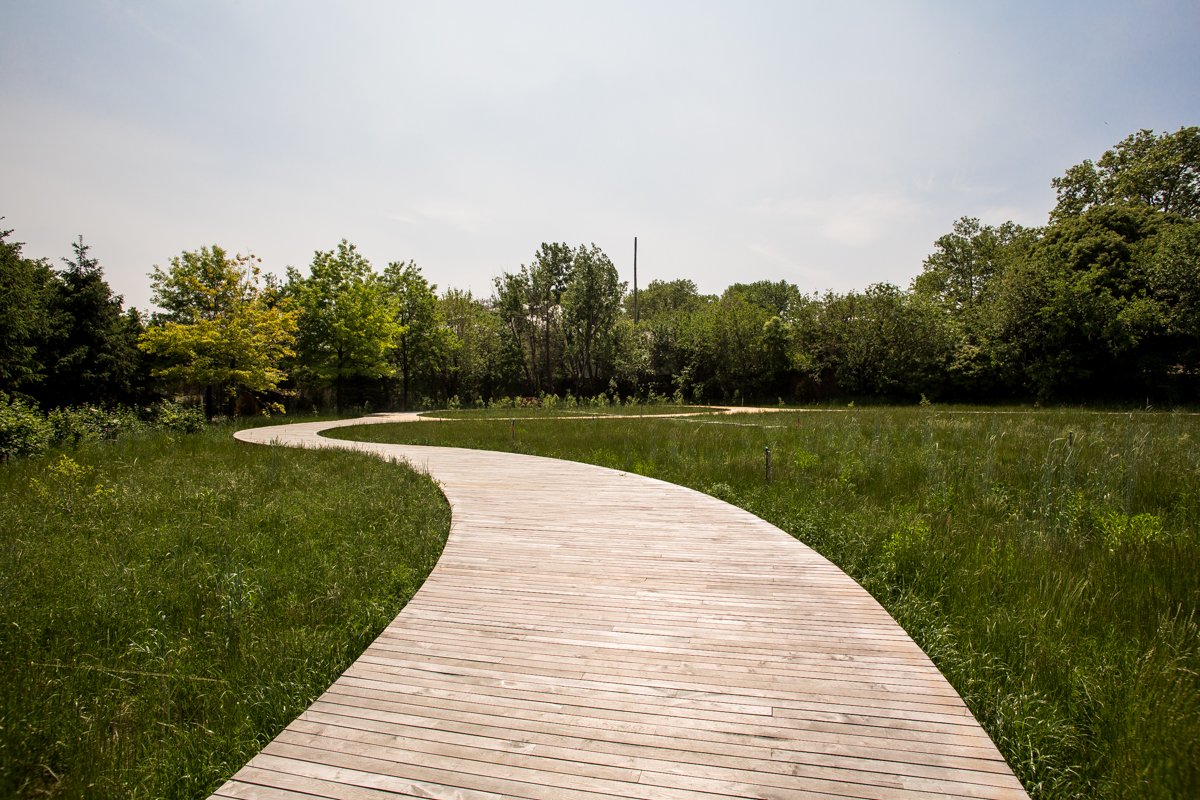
(767, 451)
(512, 430)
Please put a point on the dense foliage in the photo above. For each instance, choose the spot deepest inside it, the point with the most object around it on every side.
(64, 338)
(1101, 304)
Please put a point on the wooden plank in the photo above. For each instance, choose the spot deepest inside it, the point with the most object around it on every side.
(593, 634)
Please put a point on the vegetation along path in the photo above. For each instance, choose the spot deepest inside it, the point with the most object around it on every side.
(590, 633)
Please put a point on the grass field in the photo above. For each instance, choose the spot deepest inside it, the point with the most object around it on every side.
(168, 604)
(1048, 561)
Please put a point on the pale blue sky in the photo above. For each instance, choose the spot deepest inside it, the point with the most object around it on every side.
(824, 143)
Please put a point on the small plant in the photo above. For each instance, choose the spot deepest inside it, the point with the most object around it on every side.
(906, 546)
(722, 491)
(806, 461)
(1121, 530)
(67, 484)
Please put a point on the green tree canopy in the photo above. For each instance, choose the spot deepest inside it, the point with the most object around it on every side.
(480, 360)
(422, 341)
(92, 353)
(881, 341)
(219, 331)
(963, 268)
(26, 291)
(666, 297)
(1161, 172)
(529, 302)
(590, 303)
(348, 321)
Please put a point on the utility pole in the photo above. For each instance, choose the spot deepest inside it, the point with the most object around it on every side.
(635, 308)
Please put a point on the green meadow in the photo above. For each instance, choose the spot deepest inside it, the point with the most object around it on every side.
(170, 602)
(1048, 561)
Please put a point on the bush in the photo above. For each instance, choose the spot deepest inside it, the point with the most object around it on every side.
(23, 431)
(73, 426)
(179, 418)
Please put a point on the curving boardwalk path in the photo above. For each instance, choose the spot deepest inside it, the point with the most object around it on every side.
(593, 634)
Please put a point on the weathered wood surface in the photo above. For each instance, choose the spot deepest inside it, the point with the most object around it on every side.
(589, 633)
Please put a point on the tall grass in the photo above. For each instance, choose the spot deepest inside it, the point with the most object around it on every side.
(169, 603)
(1048, 562)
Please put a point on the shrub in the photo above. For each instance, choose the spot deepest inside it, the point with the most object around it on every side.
(23, 431)
(73, 426)
(179, 418)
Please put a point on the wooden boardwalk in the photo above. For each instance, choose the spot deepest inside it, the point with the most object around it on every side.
(593, 634)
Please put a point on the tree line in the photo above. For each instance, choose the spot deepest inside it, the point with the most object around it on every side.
(1100, 304)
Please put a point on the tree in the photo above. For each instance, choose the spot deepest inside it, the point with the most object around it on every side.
(92, 354)
(548, 278)
(1174, 281)
(480, 361)
(218, 330)
(529, 302)
(776, 297)
(26, 287)
(963, 277)
(728, 353)
(882, 341)
(1160, 172)
(511, 303)
(422, 339)
(665, 309)
(591, 302)
(1077, 317)
(666, 297)
(347, 322)
(967, 261)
